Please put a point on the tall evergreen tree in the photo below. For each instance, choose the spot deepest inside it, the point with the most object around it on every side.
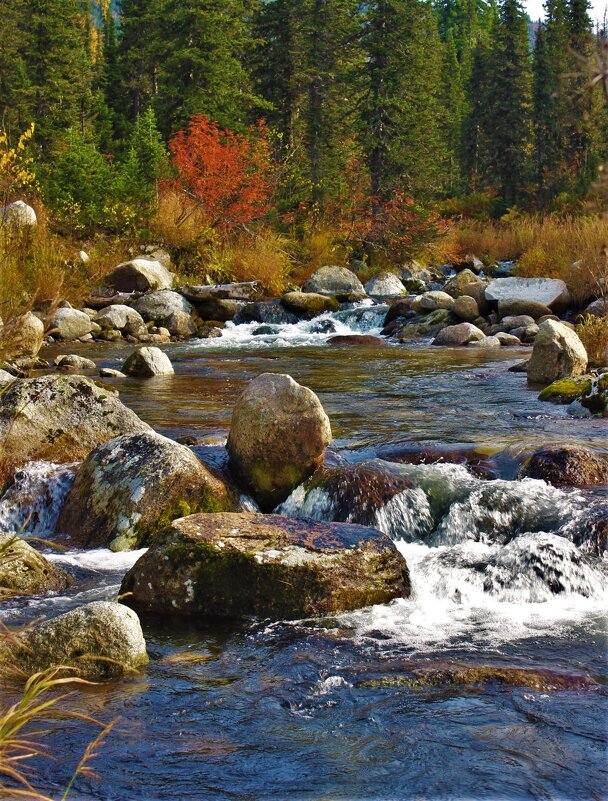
(453, 111)
(15, 112)
(138, 55)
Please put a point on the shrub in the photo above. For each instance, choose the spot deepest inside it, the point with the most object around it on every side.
(593, 333)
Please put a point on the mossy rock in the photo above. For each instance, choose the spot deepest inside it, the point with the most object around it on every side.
(566, 390)
(234, 565)
(309, 304)
(24, 571)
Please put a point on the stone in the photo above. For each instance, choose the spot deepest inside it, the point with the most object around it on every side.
(595, 398)
(569, 466)
(24, 571)
(332, 280)
(458, 335)
(557, 353)
(120, 318)
(156, 253)
(83, 257)
(520, 321)
(530, 308)
(18, 214)
(431, 301)
(486, 342)
(60, 418)
(278, 436)
(519, 367)
(457, 285)
(566, 390)
(148, 362)
(507, 340)
(267, 312)
(471, 263)
(232, 565)
(309, 304)
(551, 292)
(599, 308)
(361, 340)
(69, 324)
(5, 377)
(247, 290)
(465, 308)
(222, 309)
(156, 307)
(130, 487)
(400, 308)
(385, 284)
(108, 372)
(527, 335)
(100, 640)
(180, 324)
(139, 275)
(21, 337)
(73, 361)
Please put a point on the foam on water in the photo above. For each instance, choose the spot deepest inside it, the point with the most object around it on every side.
(33, 500)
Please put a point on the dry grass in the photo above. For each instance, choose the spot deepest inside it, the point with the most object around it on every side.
(259, 257)
(593, 333)
(543, 247)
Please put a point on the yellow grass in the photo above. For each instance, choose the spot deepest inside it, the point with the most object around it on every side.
(593, 333)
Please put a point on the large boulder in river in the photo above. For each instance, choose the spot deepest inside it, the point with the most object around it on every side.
(557, 353)
(21, 337)
(385, 284)
(332, 280)
(458, 285)
(232, 565)
(118, 317)
(459, 335)
(158, 306)
(70, 324)
(97, 641)
(431, 301)
(278, 436)
(60, 418)
(569, 466)
(127, 489)
(269, 312)
(139, 275)
(309, 304)
(551, 292)
(24, 571)
(466, 308)
(147, 363)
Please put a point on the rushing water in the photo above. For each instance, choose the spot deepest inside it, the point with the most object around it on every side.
(505, 573)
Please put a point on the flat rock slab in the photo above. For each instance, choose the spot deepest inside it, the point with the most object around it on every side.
(248, 290)
(233, 565)
(551, 292)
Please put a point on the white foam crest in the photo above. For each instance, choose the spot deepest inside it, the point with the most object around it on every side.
(101, 560)
(407, 515)
(315, 504)
(33, 501)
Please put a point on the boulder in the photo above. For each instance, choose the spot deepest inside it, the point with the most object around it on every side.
(400, 308)
(486, 342)
(180, 324)
(99, 640)
(309, 304)
(21, 337)
(557, 353)
(278, 436)
(465, 308)
(569, 466)
(247, 290)
(457, 285)
(361, 340)
(148, 362)
(69, 324)
(595, 397)
(73, 362)
(332, 280)
(385, 284)
(18, 214)
(158, 306)
(566, 390)
(507, 340)
(222, 309)
(515, 308)
(120, 318)
(139, 275)
(458, 335)
(24, 571)
(268, 312)
(110, 372)
(128, 488)
(551, 292)
(599, 308)
(527, 334)
(156, 253)
(232, 565)
(431, 301)
(60, 418)
(508, 324)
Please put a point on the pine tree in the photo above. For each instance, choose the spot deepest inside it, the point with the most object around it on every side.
(453, 111)
(15, 112)
(137, 56)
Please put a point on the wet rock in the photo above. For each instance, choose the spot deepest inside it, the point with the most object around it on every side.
(21, 337)
(121, 318)
(518, 308)
(99, 640)
(476, 460)
(148, 362)
(465, 308)
(69, 324)
(384, 284)
(595, 398)
(19, 215)
(519, 367)
(332, 280)
(222, 309)
(427, 325)
(458, 335)
(228, 566)
(550, 292)
(431, 301)
(24, 571)
(557, 353)
(270, 312)
(507, 340)
(278, 436)
(139, 275)
(400, 308)
(210, 332)
(569, 466)
(108, 372)
(362, 340)
(309, 304)
(180, 324)
(156, 307)
(566, 390)
(129, 488)
(73, 362)
(60, 419)
(323, 327)
(486, 342)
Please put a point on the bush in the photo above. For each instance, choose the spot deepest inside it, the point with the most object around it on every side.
(593, 333)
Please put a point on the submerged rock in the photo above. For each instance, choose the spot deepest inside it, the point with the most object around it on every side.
(278, 436)
(231, 565)
(332, 280)
(343, 340)
(21, 337)
(557, 353)
(24, 571)
(60, 418)
(73, 362)
(566, 390)
(139, 275)
(128, 488)
(147, 363)
(569, 466)
(97, 641)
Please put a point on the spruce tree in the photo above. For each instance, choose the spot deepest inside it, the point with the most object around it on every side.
(453, 112)
(15, 111)
(137, 56)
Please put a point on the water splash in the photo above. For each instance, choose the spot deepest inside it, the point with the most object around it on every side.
(33, 500)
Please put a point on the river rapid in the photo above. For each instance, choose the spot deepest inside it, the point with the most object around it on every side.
(505, 574)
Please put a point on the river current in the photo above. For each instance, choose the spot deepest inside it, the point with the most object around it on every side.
(505, 574)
